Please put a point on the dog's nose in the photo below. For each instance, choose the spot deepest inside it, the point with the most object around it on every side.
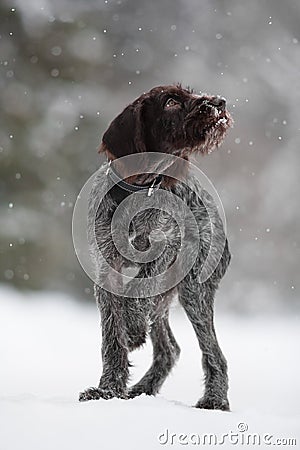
(218, 102)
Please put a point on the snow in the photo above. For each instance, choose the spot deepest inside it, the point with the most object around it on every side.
(49, 347)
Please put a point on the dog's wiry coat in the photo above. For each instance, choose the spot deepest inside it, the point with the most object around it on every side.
(127, 320)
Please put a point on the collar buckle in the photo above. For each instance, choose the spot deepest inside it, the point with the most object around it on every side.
(151, 188)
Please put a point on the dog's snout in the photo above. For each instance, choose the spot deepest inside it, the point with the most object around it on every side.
(218, 102)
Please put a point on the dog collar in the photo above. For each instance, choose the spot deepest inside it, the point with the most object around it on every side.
(120, 189)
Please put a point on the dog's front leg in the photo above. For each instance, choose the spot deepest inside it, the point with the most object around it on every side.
(197, 301)
(115, 371)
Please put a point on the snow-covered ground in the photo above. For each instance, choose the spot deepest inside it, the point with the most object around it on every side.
(50, 350)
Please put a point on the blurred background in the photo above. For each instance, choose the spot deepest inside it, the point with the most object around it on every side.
(68, 67)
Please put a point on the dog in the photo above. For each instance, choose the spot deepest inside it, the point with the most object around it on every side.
(176, 122)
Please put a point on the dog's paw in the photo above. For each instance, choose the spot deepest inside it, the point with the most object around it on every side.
(213, 403)
(135, 391)
(97, 393)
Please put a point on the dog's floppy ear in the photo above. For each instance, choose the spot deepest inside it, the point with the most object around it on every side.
(125, 135)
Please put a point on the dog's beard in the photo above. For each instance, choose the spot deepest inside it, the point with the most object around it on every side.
(209, 134)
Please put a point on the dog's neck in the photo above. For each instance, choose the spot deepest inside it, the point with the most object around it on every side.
(147, 173)
(122, 185)
(146, 176)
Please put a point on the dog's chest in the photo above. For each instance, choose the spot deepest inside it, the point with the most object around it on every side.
(153, 226)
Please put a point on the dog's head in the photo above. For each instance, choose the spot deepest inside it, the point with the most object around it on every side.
(168, 119)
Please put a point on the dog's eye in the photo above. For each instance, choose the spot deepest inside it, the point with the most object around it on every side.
(171, 102)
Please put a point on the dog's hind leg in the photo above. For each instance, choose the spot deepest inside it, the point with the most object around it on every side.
(135, 321)
(165, 354)
(197, 300)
